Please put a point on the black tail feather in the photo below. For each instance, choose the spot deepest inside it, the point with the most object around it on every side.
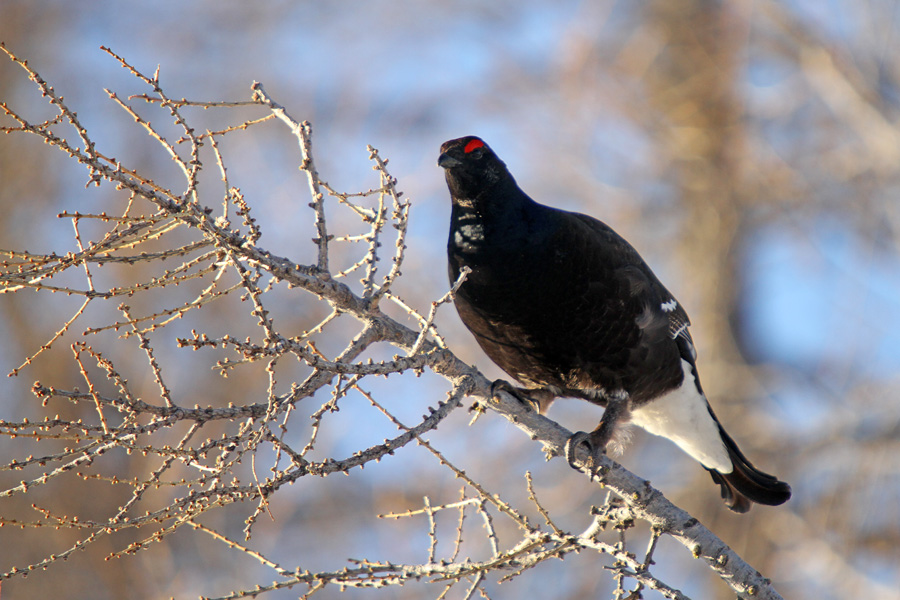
(747, 484)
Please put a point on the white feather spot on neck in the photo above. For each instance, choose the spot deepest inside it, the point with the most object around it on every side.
(669, 306)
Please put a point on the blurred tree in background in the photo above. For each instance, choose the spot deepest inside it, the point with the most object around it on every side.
(748, 150)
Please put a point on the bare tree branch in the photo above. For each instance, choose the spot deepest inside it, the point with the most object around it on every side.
(211, 457)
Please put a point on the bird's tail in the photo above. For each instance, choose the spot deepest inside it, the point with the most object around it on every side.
(746, 484)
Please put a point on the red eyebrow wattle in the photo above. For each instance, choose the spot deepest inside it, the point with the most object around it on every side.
(472, 145)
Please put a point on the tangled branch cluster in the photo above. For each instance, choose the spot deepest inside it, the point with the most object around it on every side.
(200, 454)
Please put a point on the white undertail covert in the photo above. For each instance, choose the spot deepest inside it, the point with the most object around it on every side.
(682, 416)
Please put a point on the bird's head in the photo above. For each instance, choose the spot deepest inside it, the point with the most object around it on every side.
(471, 167)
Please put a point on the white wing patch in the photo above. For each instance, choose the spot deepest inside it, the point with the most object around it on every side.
(679, 330)
(683, 417)
(669, 306)
(678, 326)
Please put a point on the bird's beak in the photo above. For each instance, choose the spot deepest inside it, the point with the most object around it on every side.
(445, 161)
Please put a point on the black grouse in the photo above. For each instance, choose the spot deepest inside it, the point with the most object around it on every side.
(568, 308)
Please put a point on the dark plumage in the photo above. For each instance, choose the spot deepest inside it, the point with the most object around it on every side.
(567, 307)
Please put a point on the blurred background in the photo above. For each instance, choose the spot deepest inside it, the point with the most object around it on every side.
(750, 150)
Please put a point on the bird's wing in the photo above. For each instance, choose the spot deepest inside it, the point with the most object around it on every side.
(651, 326)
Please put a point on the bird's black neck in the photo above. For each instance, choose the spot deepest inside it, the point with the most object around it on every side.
(492, 218)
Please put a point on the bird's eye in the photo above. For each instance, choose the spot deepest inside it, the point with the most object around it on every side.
(473, 145)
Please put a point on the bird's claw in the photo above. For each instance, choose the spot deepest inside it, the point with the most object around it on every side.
(595, 453)
(501, 385)
(575, 440)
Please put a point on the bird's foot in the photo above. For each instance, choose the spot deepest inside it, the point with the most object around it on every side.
(617, 408)
(596, 451)
(520, 394)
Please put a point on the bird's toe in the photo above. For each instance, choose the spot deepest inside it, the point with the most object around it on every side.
(596, 452)
(501, 385)
(575, 440)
